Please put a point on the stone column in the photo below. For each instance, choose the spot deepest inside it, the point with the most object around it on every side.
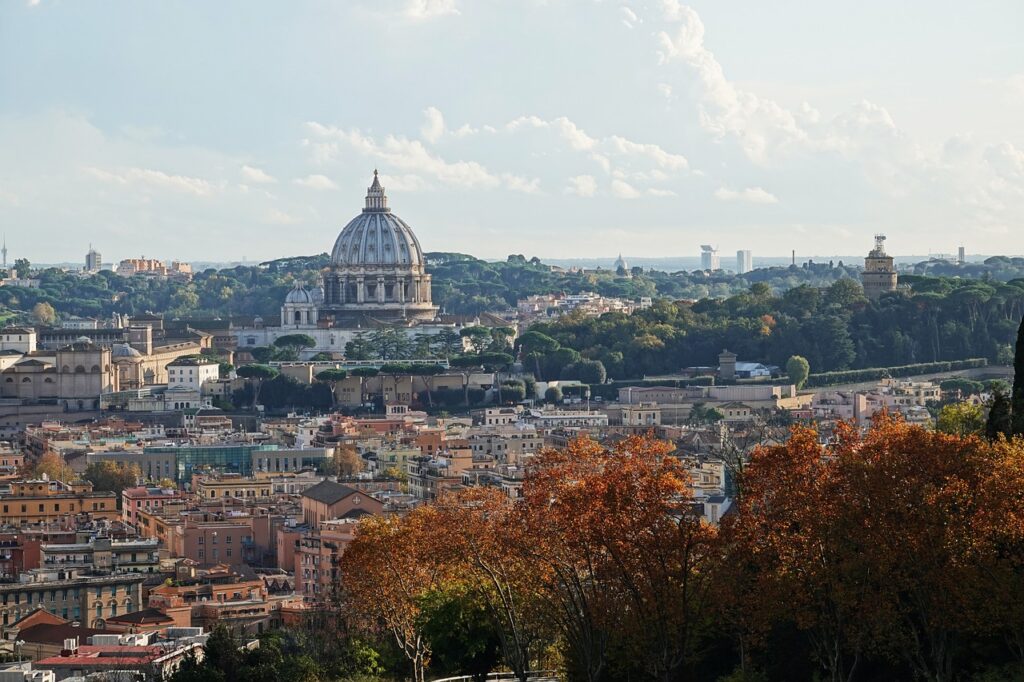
(380, 289)
(360, 290)
(400, 283)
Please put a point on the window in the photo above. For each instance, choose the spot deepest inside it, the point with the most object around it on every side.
(228, 539)
(228, 551)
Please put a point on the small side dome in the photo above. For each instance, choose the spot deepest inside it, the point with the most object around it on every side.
(123, 350)
(299, 296)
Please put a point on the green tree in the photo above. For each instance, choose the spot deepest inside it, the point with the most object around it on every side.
(587, 371)
(257, 375)
(478, 337)
(961, 419)
(22, 268)
(535, 346)
(1017, 400)
(295, 342)
(798, 369)
(999, 420)
(553, 394)
(360, 348)
(461, 634)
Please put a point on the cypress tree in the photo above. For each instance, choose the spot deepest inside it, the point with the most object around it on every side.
(999, 421)
(1017, 401)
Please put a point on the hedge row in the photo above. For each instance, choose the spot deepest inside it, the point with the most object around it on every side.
(854, 376)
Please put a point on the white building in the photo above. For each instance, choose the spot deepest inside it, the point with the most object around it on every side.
(191, 372)
(21, 339)
(709, 258)
(744, 261)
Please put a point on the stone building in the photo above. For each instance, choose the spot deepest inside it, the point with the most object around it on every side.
(377, 268)
(879, 274)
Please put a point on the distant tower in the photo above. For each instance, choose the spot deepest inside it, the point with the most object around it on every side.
(4, 251)
(793, 262)
(93, 260)
(709, 259)
(744, 261)
(960, 256)
(879, 274)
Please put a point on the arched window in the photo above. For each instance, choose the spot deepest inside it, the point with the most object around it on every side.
(27, 380)
(65, 369)
(298, 316)
(48, 380)
(10, 380)
(79, 369)
(95, 369)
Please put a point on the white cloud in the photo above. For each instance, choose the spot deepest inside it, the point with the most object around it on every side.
(401, 153)
(429, 9)
(665, 89)
(624, 190)
(253, 174)
(752, 195)
(433, 126)
(517, 183)
(315, 181)
(663, 159)
(33, 3)
(629, 17)
(153, 179)
(582, 185)
(655, 192)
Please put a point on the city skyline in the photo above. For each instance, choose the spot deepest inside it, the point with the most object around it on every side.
(650, 127)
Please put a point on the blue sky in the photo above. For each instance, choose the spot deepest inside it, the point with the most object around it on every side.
(559, 128)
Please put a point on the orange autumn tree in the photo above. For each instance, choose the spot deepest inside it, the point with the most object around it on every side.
(480, 535)
(792, 540)
(915, 508)
(872, 537)
(627, 564)
(385, 572)
(999, 547)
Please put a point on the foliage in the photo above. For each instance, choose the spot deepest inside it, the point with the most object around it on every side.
(998, 423)
(51, 464)
(835, 331)
(260, 372)
(295, 341)
(553, 394)
(964, 387)
(877, 373)
(798, 369)
(1017, 397)
(43, 313)
(112, 476)
(961, 419)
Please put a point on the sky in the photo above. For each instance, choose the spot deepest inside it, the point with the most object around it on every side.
(218, 131)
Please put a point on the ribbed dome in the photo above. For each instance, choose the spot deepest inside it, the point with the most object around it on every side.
(377, 236)
(123, 350)
(299, 295)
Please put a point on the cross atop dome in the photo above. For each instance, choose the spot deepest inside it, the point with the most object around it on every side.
(376, 200)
